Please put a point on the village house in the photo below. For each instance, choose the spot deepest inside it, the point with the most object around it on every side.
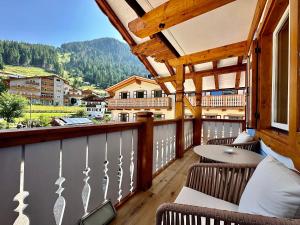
(72, 96)
(95, 105)
(45, 90)
(136, 94)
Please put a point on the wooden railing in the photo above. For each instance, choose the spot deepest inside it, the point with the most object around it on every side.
(140, 103)
(221, 101)
(64, 173)
(220, 128)
(60, 174)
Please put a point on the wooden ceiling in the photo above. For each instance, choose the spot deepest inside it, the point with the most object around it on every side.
(171, 13)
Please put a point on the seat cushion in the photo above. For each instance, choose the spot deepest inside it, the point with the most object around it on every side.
(243, 138)
(273, 190)
(188, 196)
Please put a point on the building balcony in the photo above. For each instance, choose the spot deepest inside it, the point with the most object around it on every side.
(222, 101)
(140, 103)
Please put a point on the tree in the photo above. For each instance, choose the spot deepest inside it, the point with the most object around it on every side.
(1, 63)
(3, 87)
(11, 107)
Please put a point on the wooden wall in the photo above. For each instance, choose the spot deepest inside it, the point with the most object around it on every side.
(285, 143)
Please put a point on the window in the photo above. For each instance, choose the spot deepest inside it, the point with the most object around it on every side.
(124, 95)
(159, 116)
(280, 73)
(157, 94)
(140, 94)
(123, 117)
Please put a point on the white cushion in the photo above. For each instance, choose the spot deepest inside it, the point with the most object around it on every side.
(188, 196)
(242, 138)
(273, 190)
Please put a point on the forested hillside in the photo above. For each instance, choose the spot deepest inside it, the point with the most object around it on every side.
(102, 62)
(23, 54)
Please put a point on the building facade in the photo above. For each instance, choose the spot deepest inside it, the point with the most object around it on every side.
(137, 94)
(45, 90)
(95, 106)
(72, 96)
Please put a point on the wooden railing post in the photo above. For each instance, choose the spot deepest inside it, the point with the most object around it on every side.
(145, 151)
(197, 124)
(179, 111)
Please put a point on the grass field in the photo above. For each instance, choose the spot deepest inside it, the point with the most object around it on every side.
(53, 109)
(26, 71)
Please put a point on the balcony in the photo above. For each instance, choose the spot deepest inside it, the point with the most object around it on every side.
(222, 101)
(140, 103)
(64, 173)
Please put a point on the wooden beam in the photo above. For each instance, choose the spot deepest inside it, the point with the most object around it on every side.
(255, 22)
(223, 52)
(238, 74)
(191, 68)
(141, 12)
(171, 13)
(115, 21)
(219, 71)
(179, 111)
(205, 73)
(216, 76)
(189, 105)
(170, 69)
(197, 125)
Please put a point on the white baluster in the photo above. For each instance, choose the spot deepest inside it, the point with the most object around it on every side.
(22, 219)
(106, 177)
(120, 168)
(86, 191)
(132, 164)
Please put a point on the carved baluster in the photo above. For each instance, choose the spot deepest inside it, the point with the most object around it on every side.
(162, 152)
(86, 191)
(22, 219)
(60, 203)
(120, 172)
(157, 156)
(132, 164)
(105, 178)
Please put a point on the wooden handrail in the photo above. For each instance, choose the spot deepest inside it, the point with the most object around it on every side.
(37, 135)
(163, 122)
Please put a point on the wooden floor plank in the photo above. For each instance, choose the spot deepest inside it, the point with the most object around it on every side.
(141, 208)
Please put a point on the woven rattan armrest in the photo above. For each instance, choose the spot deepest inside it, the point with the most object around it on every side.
(221, 141)
(177, 214)
(221, 180)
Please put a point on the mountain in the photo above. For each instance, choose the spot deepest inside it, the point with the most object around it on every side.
(102, 62)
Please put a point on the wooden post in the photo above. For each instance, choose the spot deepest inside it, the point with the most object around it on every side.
(198, 111)
(179, 111)
(145, 151)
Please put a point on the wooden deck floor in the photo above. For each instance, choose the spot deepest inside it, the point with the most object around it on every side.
(141, 208)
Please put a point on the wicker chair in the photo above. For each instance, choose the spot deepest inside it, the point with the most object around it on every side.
(251, 145)
(222, 181)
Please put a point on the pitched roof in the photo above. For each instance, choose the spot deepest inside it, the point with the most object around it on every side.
(128, 81)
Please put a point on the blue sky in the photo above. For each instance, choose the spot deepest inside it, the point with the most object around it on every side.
(53, 21)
